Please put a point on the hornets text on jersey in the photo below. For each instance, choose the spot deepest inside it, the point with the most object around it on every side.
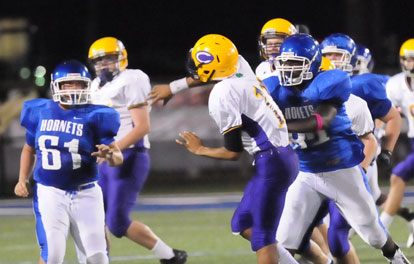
(65, 139)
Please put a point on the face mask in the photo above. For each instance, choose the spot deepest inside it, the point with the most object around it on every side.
(105, 76)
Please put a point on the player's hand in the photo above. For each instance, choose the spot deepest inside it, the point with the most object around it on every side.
(22, 189)
(192, 142)
(159, 92)
(104, 153)
(384, 162)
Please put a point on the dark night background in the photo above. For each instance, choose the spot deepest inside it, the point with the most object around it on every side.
(157, 34)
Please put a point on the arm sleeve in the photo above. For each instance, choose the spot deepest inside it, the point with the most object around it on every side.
(358, 112)
(333, 86)
(136, 90)
(224, 107)
(28, 120)
(108, 124)
(232, 140)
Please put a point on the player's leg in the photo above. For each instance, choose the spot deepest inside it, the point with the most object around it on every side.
(124, 185)
(402, 173)
(308, 248)
(275, 171)
(356, 203)
(52, 222)
(87, 218)
(339, 244)
(301, 205)
(320, 236)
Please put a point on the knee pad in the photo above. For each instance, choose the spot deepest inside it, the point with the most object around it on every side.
(338, 242)
(118, 225)
(98, 258)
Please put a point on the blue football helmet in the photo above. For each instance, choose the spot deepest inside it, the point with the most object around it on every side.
(299, 59)
(71, 71)
(364, 61)
(340, 44)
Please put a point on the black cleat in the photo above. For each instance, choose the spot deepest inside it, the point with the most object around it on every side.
(180, 257)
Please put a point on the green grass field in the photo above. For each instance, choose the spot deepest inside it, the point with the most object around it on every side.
(205, 234)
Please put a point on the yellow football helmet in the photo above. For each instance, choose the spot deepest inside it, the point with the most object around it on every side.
(326, 64)
(407, 57)
(109, 46)
(274, 28)
(213, 57)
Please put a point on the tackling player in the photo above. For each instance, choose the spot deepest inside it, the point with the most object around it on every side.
(65, 136)
(400, 90)
(329, 152)
(248, 119)
(125, 90)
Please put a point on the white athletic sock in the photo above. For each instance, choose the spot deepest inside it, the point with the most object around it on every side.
(285, 256)
(162, 251)
(330, 256)
(386, 219)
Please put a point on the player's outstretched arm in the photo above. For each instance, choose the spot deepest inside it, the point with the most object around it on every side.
(194, 145)
(167, 91)
(27, 160)
(321, 119)
(111, 154)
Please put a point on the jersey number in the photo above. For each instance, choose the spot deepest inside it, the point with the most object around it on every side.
(305, 140)
(56, 162)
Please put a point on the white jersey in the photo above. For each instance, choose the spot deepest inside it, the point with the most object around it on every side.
(400, 94)
(126, 91)
(242, 102)
(358, 111)
(264, 70)
(244, 69)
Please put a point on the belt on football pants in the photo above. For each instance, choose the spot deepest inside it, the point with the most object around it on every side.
(86, 186)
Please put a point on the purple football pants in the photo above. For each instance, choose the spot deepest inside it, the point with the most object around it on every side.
(405, 169)
(264, 196)
(121, 186)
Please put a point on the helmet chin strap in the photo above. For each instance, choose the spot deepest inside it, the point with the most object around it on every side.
(105, 76)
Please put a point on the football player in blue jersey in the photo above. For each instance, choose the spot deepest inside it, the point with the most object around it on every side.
(370, 87)
(340, 49)
(65, 136)
(329, 152)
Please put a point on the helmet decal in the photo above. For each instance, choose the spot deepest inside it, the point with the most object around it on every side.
(204, 57)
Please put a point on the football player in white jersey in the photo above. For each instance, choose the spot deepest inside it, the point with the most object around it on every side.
(400, 90)
(272, 35)
(64, 136)
(125, 90)
(248, 119)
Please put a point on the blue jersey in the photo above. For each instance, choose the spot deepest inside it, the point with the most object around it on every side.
(336, 147)
(65, 139)
(371, 88)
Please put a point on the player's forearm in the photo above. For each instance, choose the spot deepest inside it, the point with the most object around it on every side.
(136, 134)
(217, 153)
(27, 160)
(370, 149)
(392, 129)
(321, 119)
